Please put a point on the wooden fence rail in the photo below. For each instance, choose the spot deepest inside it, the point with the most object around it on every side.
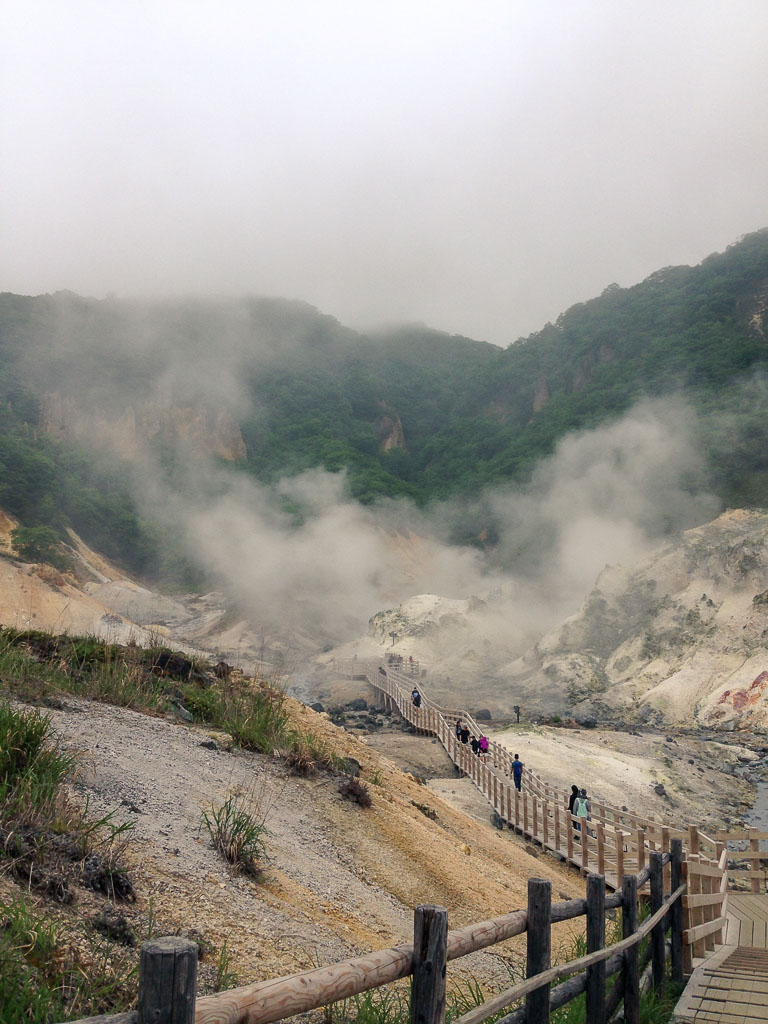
(167, 975)
(614, 843)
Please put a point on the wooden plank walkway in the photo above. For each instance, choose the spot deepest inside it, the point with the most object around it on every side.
(731, 985)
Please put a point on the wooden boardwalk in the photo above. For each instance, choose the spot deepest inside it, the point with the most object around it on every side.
(727, 954)
(731, 985)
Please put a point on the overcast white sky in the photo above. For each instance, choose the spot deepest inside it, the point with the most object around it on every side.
(476, 165)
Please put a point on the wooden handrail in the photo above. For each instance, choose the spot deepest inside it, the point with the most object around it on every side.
(539, 815)
(511, 995)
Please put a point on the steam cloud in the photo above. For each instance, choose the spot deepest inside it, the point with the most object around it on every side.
(605, 495)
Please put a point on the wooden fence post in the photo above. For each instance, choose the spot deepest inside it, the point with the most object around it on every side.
(676, 913)
(687, 923)
(167, 981)
(538, 948)
(693, 839)
(569, 837)
(631, 960)
(600, 836)
(619, 855)
(665, 849)
(754, 865)
(657, 934)
(430, 934)
(595, 941)
(584, 845)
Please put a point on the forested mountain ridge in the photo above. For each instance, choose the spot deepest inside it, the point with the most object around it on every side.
(407, 412)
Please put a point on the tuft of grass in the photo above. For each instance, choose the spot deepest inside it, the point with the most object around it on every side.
(32, 770)
(307, 753)
(225, 976)
(43, 979)
(257, 720)
(237, 829)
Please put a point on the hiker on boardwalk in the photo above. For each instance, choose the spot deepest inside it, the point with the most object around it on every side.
(517, 772)
(416, 698)
(458, 728)
(483, 742)
(572, 798)
(464, 734)
(581, 809)
(475, 744)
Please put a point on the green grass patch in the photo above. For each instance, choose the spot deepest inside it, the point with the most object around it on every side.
(237, 829)
(44, 980)
(32, 770)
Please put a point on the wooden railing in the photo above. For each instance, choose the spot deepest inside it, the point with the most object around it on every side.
(167, 975)
(614, 842)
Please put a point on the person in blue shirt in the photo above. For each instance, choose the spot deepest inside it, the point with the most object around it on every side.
(517, 772)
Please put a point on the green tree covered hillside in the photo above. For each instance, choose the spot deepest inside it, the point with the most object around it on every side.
(407, 412)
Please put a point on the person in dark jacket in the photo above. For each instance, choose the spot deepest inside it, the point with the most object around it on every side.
(572, 798)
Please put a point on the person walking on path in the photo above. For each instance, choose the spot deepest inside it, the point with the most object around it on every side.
(464, 734)
(572, 798)
(458, 728)
(484, 749)
(517, 772)
(581, 809)
(475, 744)
(416, 698)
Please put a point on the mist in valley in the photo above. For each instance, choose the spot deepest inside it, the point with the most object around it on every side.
(476, 169)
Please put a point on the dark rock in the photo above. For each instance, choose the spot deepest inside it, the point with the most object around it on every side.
(115, 926)
(101, 875)
(166, 663)
(659, 789)
(587, 722)
(417, 778)
(691, 761)
(531, 850)
(131, 806)
(670, 739)
(181, 711)
(497, 821)
(358, 704)
(317, 706)
(210, 744)
(352, 767)
(222, 670)
(356, 791)
(625, 809)
(483, 716)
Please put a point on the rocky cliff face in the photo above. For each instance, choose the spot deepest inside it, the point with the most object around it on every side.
(389, 430)
(680, 638)
(126, 430)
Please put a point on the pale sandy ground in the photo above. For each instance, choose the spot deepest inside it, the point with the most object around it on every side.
(340, 879)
